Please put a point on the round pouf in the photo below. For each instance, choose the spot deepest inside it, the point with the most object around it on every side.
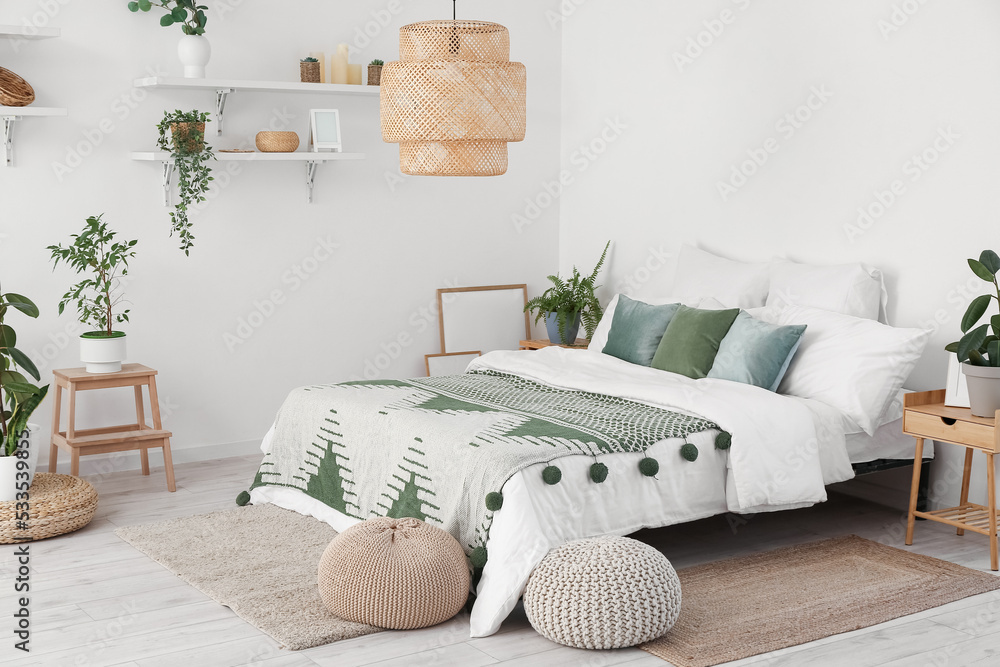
(602, 593)
(58, 504)
(397, 574)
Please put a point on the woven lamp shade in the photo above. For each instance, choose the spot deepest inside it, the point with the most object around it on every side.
(454, 100)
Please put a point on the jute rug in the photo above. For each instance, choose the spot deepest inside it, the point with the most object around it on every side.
(755, 604)
(261, 561)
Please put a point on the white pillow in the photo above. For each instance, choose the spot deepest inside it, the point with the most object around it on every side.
(600, 338)
(851, 289)
(736, 284)
(854, 364)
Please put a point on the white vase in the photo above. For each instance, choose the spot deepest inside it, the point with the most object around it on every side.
(102, 355)
(8, 472)
(194, 52)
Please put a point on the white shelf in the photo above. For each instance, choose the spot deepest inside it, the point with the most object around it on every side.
(10, 115)
(27, 32)
(225, 87)
(311, 160)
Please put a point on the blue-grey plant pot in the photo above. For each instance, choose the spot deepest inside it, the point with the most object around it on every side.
(552, 326)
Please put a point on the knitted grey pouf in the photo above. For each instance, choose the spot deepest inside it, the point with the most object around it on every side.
(601, 593)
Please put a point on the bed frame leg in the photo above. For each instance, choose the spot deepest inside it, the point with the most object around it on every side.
(925, 480)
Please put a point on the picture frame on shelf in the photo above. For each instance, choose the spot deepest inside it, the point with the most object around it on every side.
(324, 131)
(449, 363)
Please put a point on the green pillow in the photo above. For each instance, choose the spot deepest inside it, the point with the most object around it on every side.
(755, 352)
(692, 340)
(636, 330)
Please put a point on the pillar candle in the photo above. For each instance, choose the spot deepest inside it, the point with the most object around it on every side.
(354, 74)
(338, 65)
(321, 57)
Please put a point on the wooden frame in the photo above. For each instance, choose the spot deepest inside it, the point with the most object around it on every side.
(442, 302)
(428, 357)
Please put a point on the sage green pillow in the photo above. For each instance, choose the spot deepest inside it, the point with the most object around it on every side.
(692, 340)
(755, 352)
(636, 330)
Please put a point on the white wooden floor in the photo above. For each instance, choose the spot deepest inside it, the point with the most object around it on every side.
(97, 601)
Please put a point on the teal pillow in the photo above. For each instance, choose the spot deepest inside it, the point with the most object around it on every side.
(692, 340)
(757, 353)
(636, 330)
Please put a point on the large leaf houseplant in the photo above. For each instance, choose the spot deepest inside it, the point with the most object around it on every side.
(979, 347)
(99, 297)
(19, 397)
(568, 303)
(182, 134)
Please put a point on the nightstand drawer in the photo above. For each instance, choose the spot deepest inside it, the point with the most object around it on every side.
(933, 427)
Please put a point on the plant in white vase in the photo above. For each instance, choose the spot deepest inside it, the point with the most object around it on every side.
(193, 50)
(18, 399)
(99, 296)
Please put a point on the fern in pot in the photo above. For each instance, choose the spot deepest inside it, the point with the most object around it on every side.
(19, 397)
(979, 348)
(568, 303)
(99, 296)
(182, 134)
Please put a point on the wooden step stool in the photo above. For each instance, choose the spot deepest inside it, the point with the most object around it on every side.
(126, 438)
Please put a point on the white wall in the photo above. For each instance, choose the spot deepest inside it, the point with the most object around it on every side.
(899, 73)
(396, 241)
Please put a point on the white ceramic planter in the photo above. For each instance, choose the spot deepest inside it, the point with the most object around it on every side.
(194, 52)
(8, 471)
(34, 445)
(984, 389)
(102, 355)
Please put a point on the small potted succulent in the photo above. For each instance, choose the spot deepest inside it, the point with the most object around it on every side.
(190, 153)
(193, 50)
(19, 440)
(979, 348)
(99, 296)
(375, 72)
(309, 70)
(568, 302)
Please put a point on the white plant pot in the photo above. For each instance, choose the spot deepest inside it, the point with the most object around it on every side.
(8, 471)
(194, 52)
(984, 389)
(102, 355)
(34, 445)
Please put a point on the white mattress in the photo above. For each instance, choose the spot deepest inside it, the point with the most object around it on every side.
(888, 441)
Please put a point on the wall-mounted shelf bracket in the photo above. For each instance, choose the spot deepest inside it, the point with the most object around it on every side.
(221, 95)
(8, 138)
(311, 168)
(168, 173)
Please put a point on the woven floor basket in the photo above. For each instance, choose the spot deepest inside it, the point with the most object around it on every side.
(14, 91)
(277, 142)
(57, 504)
(309, 72)
(398, 574)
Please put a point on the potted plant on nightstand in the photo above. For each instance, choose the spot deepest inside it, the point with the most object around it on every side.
(979, 349)
(98, 296)
(18, 399)
(190, 153)
(568, 302)
(193, 50)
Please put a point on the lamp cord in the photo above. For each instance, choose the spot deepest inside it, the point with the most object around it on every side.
(454, 10)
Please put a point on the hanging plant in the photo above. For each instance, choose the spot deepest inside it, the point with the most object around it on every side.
(190, 153)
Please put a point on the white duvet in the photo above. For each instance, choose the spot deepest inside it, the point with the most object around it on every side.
(784, 451)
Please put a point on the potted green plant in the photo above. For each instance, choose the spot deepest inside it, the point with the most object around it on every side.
(193, 50)
(190, 153)
(98, 297)
(309, 70)
(568, 302)
(979, 348)
(18, 399)
(375, 72)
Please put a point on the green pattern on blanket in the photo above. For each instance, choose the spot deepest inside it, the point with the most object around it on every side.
(432, 448)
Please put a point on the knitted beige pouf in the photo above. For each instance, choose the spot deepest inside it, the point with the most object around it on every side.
(397, 574)
(601, 593)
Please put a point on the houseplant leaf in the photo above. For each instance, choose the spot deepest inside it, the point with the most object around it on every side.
(991, 261)
(972, 341)
(22, 303)
(22, 360)
(980, 270)
(975, 311)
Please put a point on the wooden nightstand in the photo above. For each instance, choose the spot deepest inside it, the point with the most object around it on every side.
(539, 343)
(925, 416)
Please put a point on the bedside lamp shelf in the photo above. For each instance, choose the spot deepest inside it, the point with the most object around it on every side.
(10, 115)
(312, 160)
(225, 87)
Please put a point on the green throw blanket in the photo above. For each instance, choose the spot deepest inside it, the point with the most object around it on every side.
(440, 449)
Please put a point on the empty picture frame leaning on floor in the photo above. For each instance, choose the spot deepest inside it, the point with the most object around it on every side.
(450, 363)
(483, 318)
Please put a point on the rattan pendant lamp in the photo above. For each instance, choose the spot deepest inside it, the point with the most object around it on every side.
(454, 100)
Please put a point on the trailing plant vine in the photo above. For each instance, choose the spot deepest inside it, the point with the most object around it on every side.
(190, 153)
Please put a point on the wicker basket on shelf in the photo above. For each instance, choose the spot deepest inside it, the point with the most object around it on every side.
(14, 91)
(375, 75)
(309, 72)
(277, 142)
(188, 138)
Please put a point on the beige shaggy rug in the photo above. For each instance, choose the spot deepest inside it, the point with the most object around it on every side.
(749, 605)
(261, 561)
